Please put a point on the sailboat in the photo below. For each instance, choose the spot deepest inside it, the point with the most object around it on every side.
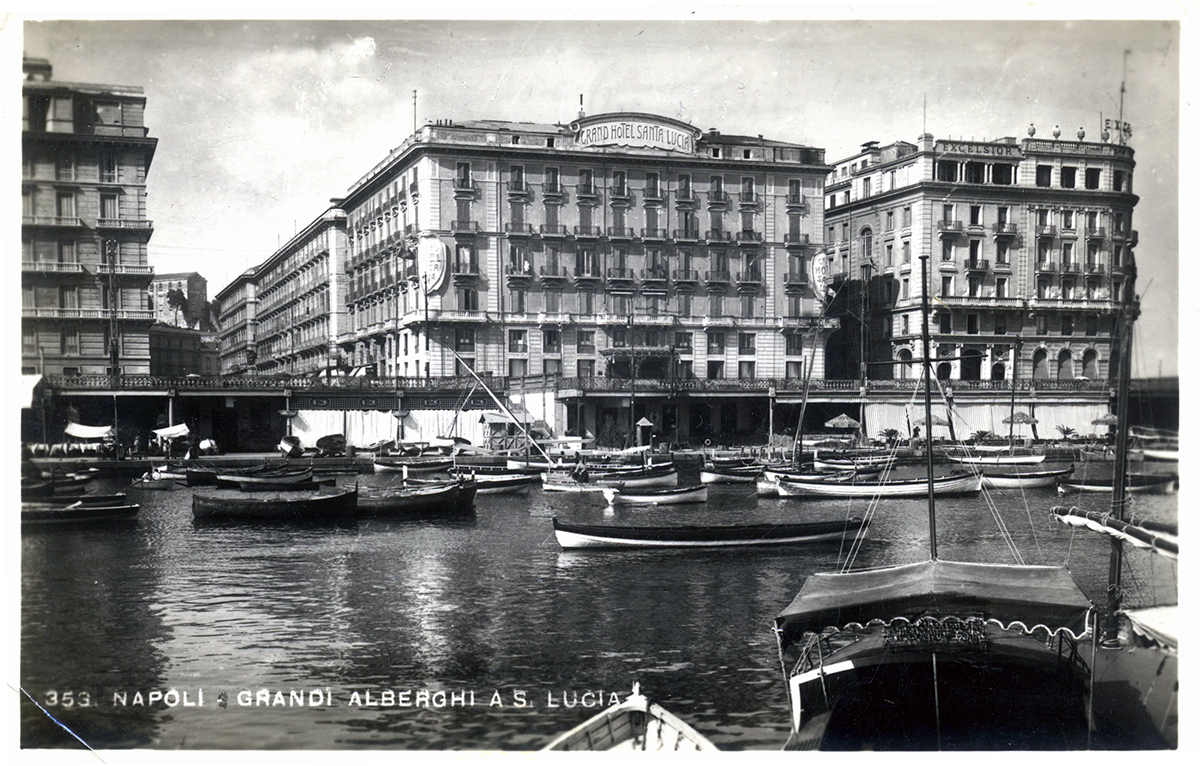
(937, 654)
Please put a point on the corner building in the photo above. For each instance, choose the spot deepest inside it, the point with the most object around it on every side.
(1029, 244)
(624, 257)
(84, 233)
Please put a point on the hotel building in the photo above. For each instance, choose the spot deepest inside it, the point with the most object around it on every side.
(84, 232)
(1028, 243)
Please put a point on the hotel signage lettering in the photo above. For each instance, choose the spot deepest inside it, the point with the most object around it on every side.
(636, 131)
(979, 149)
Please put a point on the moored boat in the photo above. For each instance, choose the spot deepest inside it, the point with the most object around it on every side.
(857, 463)
(602, 536)
(322, 505)
(1140, 483)
(446, 498)
(280, 479)
(996, 459)
(500, 484)
(997, 479)
(660, 496)
(412, 465)
(943, 486)
(636, 723)
(83, 509)
(741, 474)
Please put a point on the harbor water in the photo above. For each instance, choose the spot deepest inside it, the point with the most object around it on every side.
(475, 634)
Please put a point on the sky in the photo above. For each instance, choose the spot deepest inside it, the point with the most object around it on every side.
(260, 123)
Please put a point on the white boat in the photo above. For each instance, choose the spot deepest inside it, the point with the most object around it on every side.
(768, 485)
(1142, 484)
(608, 536)
(664, 496)
(853, 463)
(556, 481)
(634, 724)
(730, 475)
(1026, 479)
(954, 484)
(996, 459)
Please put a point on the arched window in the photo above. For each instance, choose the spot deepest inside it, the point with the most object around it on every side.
(972, 365)
(1041, 370)
(998, 371)
(906, 364)
(866, 243)
(943, 371)
(1066, 369)
(1091, 364)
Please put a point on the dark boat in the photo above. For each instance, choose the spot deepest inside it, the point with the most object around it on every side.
(267, 478)
(996, 478)
(203, 476)
(446, 498)
(323, 505)
(281, 485)
(572, 536)
(87, 508)
(1141, 483)
(413, 465)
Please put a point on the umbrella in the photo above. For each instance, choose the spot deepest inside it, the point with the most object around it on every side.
(842, 421)
(937, 421)
(1021, 417)
(1106, 420)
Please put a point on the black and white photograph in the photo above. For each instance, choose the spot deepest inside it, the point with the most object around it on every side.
(735, 380)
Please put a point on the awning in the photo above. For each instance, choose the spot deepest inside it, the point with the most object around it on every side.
(495, 418)
(88, 432)
(173, 432)
(1156, 623)
(1010, 595)
(28, 384)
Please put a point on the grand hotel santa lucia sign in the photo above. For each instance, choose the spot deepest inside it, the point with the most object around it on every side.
(634, 129)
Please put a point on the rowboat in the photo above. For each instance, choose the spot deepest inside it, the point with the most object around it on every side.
(500, 484)
(87, 508)
(1027, 479)
(323, 505)
(768, 485)
(854, 463)
(412, 465)
(609, 536)
(663, 496)
(747, 474)
(160, 472)
(943, 486)
(201, 476)
(587, 481)
(450, 498)
(1140, 483)
(279, 479)
(996, 459)
(281, 485)
(634, 724)
(152, 480)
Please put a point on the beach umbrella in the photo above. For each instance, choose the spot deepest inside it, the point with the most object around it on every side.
(937, 421)
(1023, 418)
(1106, 420)
(842, 421)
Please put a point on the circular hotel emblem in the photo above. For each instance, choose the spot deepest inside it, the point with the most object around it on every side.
(432, 257)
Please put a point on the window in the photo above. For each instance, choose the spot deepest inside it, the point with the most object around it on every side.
(795, 306)
(69, 342)
(887, 252)
(1042, 324)
(1091, 325)
(551, 341)
(947, 250)
(1001, 287)
(748, 307)
(518, 368)
(468, 299)
(550, 142)
(1002, 175)
(462, 174)
(64, 205)
(974, 249)
(1091, 178)
(618, 183)
(746, 343)
(464, 339)
(652, 186)
(947, 213)
(716, 305)
(976, 214)
(1118, 180)
(1067, 177)
(517, 341)
(462, 212)
(972, 324)
(1001, 324)
(947, 286)
(906, 252)
(1068, 289)
(108, 114)
(1043, 175)
(683, 342)
(585, 341)
(685, 186)
(745, 370)
(866, 187)
(65, 167)
(889, 221)
(904, 288)
(1068, 219)
(947, 170)
(716, 370)
(793, 343)
(1001, 252)
(553, 300)
(973, 286)
(974, 172)
(795, 195)
(944, 322)
(794, 370)
(587, 303)
(516, 175)
(906, 218)
(716, 342)
(1068, 253)
(1068, 324)
(904, 324)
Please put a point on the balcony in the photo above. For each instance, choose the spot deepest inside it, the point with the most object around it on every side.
(795, 202)
(56, 221)
(464, 188)
(949, 229)
(1004, 230)
(621, 279)
(978, 264)
(78, 313)
(795, 240)
(620, 193)
(518, 276)
(718, 236)
(587, 277)
(583, 191)
(749, 237)
(654, 280)
(748, 199)
(587, 232)
(620, 233)
(717, 198)
(749, 281)
(1094, 232)
(553, 276)
(654, 234)
(1046, 267)
(124, 269)
(686, 235)
(124, 224)
(464, 228)
(652, 194)
(685, 197)
(1046, 231)
(464, 273)
(716, 278)
(518, 229)
(1072, 268)
(519, 190)
(794, 282)
(981, 301)
(685, 277)
(51, 267)
(552, 230)
(1002, 266)
(1096, 268)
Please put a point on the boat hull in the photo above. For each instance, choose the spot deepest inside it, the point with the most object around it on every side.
(1025, 479)
(274, 506)
(730, 475)
(634, 724)
(671, 496)
(575, 536)
(456, 498)
(943, 486)
(76, 513)
(412, 466)
(997, 459)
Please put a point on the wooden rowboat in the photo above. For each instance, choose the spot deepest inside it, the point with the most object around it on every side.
(1140, 483)
(712, 474)
(412, 465)
(501, 484)
(281, 480)
(664, 496)
(1027, 479)
(324, 505)
(87, 508)
(739, 535)
(634, 724)
(445, 498)
(953, 484)
(996, 459)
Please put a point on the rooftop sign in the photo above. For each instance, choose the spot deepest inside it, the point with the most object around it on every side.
(979, 149)
(636, 130)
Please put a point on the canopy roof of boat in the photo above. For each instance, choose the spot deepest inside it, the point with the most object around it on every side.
(1013, 596)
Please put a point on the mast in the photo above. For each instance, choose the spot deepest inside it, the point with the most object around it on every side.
(928, 403)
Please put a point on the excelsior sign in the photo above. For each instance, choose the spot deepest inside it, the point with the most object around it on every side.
(630, 130)
(979, 148)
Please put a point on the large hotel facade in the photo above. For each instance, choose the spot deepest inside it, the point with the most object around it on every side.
(631, 258)
(84, 232)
